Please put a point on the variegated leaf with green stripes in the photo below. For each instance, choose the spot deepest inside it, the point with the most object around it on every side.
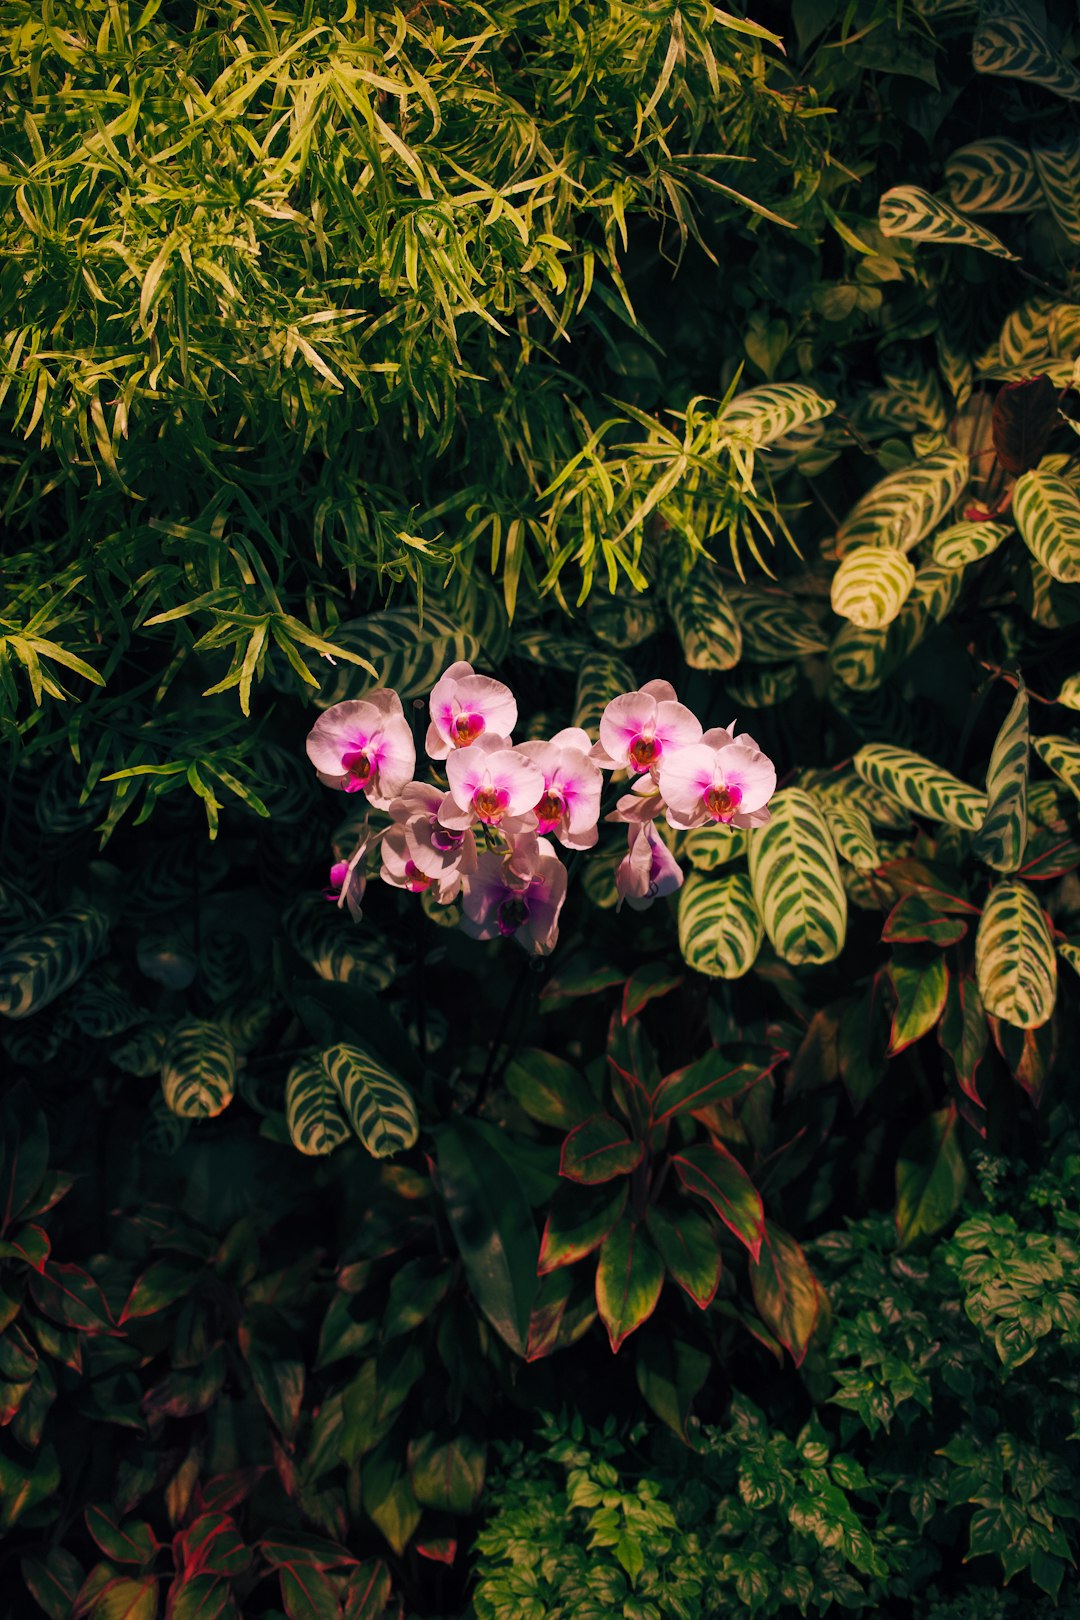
(851, 832)
(920, 784)
(601, 677)
(378, 1105)
(1064, 329)
(796, 880)
(871, 585)
(1062, 756)
(762, 415)
(1012, 47)
(1002, 838)
(720, 931)
(863, 659)
(1015, 965)
(910, 212)
(906, 376)
(1058, 167)
(1069, 951)
(967, 542)
(313, 1108)
(102, 1007)
(708, 848)
(775, 626)
(42, 962)
(198, 1069)
(1069, 695)
(1025, 333)
(844, 787)
(705, 620)
(765, 687)
(625, 619)
(903, 507)
(993, 176)
(409, 655)
(334, 947)
(1047, 512)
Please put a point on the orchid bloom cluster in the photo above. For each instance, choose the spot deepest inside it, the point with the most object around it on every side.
(490, 835)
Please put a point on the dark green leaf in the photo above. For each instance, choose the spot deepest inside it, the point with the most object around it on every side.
(598, 1150)
(930, 1177)
(628, 1280)
(715, 1175)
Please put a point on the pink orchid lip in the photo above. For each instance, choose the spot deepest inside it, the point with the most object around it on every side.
(549, 811)
(722, 802)
(490, 804)
(513, 913)
(357, 767)
(644, 751)
(445, 839)
(415, 880)
(466, 727)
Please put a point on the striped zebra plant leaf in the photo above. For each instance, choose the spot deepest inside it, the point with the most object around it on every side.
(313, 1108)
(406, 655)
(1069, 696)
(1002, 838)
(1062, 756)
(163, 1132)
(198, 1069)
(964, 543)
(1058, 167)
(45, 960)
(705, 620)
(720, 931)
(774, 627)
(763, 688)
(378, 1105)
(1013, 48)
(709, 848)
(1025, 333)
(624, 620)
(1015, 965)
(863, 659)
(995, 176)
(763, 415)
(601, 677)
(796, 881)
(1064, 330)
(920, 784)
(1047, 512)
(871, 585)
(903, 507)
(909, 379)
(101, 1007)
(851, 832)
(840, 788)
(1069, 951)
(910, 212)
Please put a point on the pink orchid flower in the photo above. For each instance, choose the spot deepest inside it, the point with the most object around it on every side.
(493, 783)
(569, 805)
(348, 880)
(718, 780)
(438, 852)
(465, 706)
(648, 871)
(364, 746)
(639, 728)
(402, 872)
(521, 898)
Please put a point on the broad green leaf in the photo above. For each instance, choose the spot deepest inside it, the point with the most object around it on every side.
(579, 1220)
(871, 585)
(379, 1106)
(715, 1076)
(161, 1285)
(203, 1597)
(920, 981)
(762, 415)
(920, 784)
(1010, 45)
(786, 1292)
(549, 1089)
(963, 1033)
(24, 1483)
(313, 1109)
(704, 619)
(601, 677)
(861, 1043)
(863, 659)
(920, 918)
(720, 930)
(198, 1069)
(1015, 965)
(930, 1177)
(41, 963)
(493, 1226)
(389, 1501)
(796, 881)
(1002, 838)
(629, 1278)
(914, 214)
(1062, 756)
(623, 620)
(448, 1475)
(689, 1249)
(416, 1289)
(670, 1373)
(1047, 513)
(993, 176)
(645, 984)
(130, 1543)
(563, 1311)
(968, 542)
(54, 1581)
(599, 1149)
(904, 506)
(716, 1176)
(851, 832)
(709, 848)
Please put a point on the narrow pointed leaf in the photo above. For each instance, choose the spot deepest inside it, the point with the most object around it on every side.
(629, 1278)
(688, 1247)
(712, 1173)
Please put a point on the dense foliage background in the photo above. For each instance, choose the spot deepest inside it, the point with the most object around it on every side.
(725, 1260)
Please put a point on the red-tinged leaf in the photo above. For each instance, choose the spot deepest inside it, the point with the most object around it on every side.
(278, 1380)
(579, 1220)
(628, 1280)
(930, 1177)
(71, 1296)
(599, 1149)
(645, 985)
(29, 1244)
(225, 1491)
(205, 1597)
(298, 1548)
(917, 919)
(712, 1078)
(937, 883)
(1025, 414)
(448, 1476)
(1028, 1053)
(715, 1175)
(161, 1285)
(635, 1071)
(549, 1089)
(690, 1251)
(56, 1186)
(1048, 855)
(568, 986)
(440, 1549)
(182, 1394)
(210, 1545)
(921, 983)
(130, 1543)
(964, 1034)
(109, 1595)
(786, 1292)
(367, 1594)
(564, 1310)
(54, 1581)
(308, 1593)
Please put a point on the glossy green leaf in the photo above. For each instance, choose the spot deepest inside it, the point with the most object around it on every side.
(688, 1247)
(963, 1033)
(920, 981)
(549, 1089)
(54, 1581)
(629, 1277)
(599, 1149)
(579, 1220)
(930, 1177)
(198, 1069)
(1015, 965)
(921, 918)
(796, 881)
(713, 1174)
(447, 1475)
(786, 1292)
(717, 1075)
